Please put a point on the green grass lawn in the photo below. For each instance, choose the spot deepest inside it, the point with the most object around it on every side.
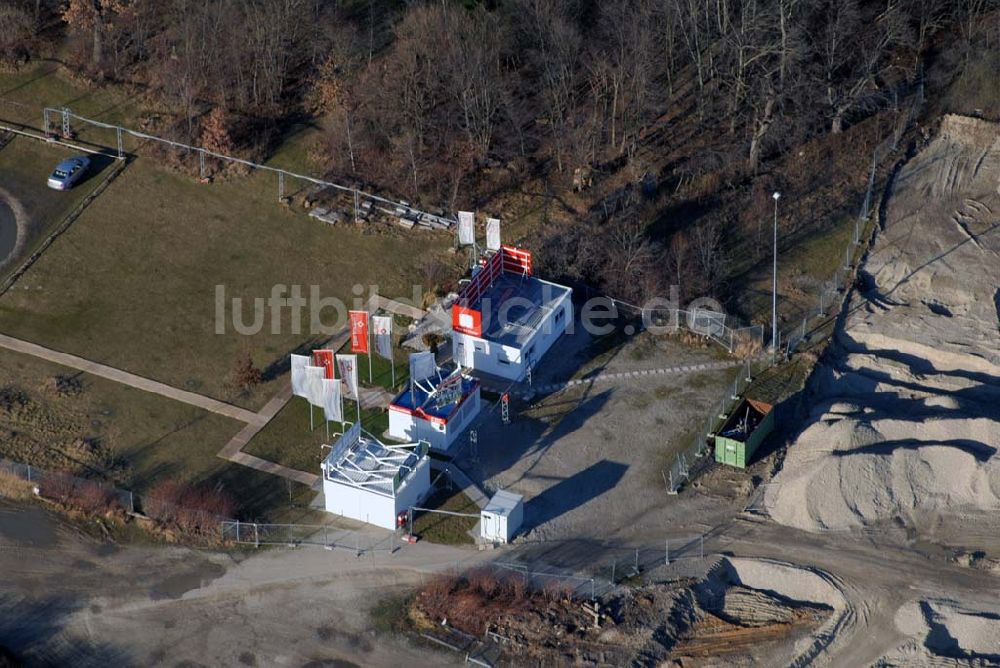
(447, 529)
(381, 368)
(809, 263)
(132, 438)
(133, 282)
(25, 165)
(156, 438)
(289, 441)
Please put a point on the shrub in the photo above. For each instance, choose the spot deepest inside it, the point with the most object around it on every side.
(12, 487)
(192, 510)
(57, 487)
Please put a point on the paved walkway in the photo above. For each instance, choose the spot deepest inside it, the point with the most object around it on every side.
(130, 379)
(521, 389)
(370, 398)
(254, 422)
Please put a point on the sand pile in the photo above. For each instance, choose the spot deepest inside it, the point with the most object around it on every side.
(945, 633)
(906, 403)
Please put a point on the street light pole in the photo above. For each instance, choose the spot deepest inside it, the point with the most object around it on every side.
(774, 284)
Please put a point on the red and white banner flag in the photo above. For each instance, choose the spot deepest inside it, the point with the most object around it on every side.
(383, 335)
(324, 358)
(359, 331)
(348, 365)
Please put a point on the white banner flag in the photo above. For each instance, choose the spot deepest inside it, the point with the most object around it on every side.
(466, 228)
(493, 234)
(383, 335)
(314, 384)
(333, 405)
(422, 365)
(348, 366)
(299, 364)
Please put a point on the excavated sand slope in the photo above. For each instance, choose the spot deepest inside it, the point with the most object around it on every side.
(945, 634)
(905, 410)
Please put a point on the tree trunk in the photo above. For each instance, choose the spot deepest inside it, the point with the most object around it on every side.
(837, 126)
(760, 130)
(98, 44)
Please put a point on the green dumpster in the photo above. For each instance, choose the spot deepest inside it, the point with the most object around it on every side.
(743, 432)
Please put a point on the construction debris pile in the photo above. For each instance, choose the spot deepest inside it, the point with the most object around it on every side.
(688, 620)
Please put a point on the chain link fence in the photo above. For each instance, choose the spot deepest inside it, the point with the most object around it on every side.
(680, 471)
(831, 291)
(360, 203)
(827, 301)
(618, 565)
(74, 490)
(329, 537)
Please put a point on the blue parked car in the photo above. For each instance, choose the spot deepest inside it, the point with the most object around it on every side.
(68, 172)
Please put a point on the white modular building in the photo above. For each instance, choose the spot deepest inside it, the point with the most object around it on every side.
(502, 517)
(436, 409)
(505, 319)
(373, 482)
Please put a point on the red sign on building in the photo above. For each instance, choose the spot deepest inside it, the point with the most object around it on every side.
(466, 320)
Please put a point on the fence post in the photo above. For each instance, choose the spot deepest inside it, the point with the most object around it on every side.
(666, 559)
(256, 536)
(237, 531)
(281, 186)
(701, 545)
(121, 148)
(201, 164)
(357, 207)
(131, 503)
(29, 472)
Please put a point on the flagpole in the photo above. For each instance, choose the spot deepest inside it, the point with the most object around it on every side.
(368, 331)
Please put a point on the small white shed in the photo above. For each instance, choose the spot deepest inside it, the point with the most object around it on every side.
(502, 517)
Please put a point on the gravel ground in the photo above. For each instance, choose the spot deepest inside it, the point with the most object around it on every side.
(70, 600)
(589, 459)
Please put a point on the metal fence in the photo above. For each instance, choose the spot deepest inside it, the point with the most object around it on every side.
(618, 565)
(293, 535)
(827, 301)
(65, 487)
(60, 122)
(838, 285)
(680, 471)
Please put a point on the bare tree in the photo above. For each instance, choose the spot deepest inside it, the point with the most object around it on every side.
(854, 60)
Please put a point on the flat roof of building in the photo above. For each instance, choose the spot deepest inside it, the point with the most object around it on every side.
(360, 460)
(418, 399)
(503, 503)
(515, 306)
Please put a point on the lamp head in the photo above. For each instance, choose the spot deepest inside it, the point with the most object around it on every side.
(776, 195)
